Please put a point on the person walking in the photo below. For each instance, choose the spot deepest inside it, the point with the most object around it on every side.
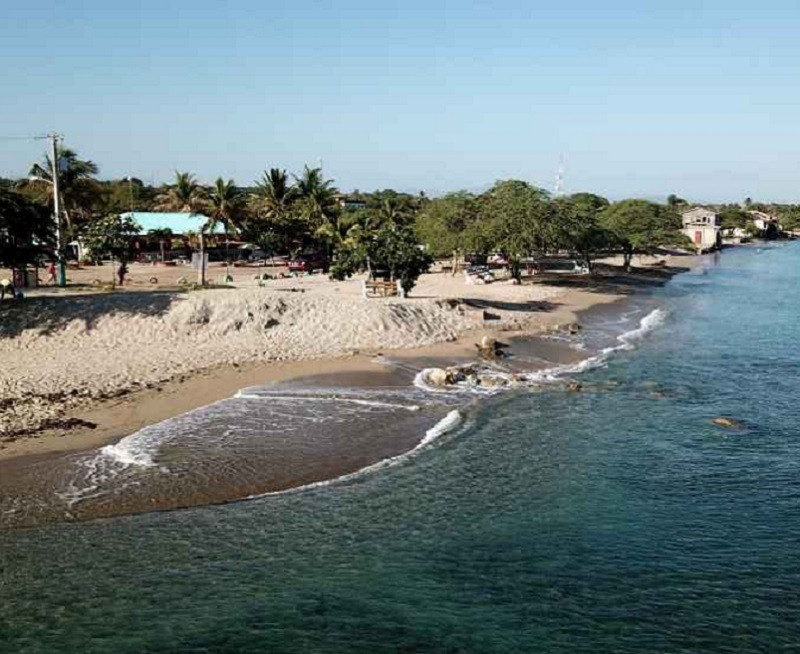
(51, 271)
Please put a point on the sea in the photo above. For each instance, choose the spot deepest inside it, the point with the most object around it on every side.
(590, 504)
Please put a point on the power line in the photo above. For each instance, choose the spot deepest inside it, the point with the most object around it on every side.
(24, 138)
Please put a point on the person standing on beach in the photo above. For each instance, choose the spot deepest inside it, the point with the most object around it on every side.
(51, 271)
(121, 272)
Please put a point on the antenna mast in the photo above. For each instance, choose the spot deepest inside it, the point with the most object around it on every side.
(558, 191)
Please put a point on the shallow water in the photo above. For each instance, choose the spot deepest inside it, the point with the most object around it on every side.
(615, 519)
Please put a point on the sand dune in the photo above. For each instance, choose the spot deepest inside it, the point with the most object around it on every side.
(59, 352)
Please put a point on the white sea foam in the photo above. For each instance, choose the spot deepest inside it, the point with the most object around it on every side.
(626, 341)
(244, 395)
(133, 450)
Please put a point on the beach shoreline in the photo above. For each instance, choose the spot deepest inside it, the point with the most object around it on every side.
(37, 467)
(101, 422)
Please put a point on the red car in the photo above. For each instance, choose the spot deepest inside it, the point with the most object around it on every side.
(309, 263)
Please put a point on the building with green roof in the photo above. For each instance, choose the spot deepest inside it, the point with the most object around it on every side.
(177, 223)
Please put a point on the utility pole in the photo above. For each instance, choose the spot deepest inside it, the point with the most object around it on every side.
(129, 179)
(61, 264)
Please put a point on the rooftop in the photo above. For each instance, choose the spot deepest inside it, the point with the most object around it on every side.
(179, 223)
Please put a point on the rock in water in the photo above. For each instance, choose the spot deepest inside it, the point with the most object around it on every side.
(730, 423)
(490, 349)
(437, 377)
(454, 375)
(493, 382)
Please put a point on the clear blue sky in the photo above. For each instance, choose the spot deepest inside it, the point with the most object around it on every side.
(643, 98)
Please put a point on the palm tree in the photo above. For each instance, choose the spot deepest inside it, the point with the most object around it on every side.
(344, 228)
(77, 186)
(316, 195)
(317, 202)
(393, 212)
(226, 206)
(271, 206)
(185, 196)
(274, 194)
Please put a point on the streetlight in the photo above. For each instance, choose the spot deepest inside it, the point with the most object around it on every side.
(129, 179)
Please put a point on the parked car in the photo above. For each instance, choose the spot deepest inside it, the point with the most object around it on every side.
(309, 262)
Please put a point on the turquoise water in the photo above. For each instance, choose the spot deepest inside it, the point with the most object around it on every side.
(612, 520)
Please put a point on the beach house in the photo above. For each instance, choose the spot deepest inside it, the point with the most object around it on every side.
(702, 226)
(167, 235)
(766, 224)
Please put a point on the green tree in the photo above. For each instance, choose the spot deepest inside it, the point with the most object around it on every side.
(226, 209)
(344, 227)
(392, 249)
(789, 217)
(641, 227)
(579, 225)
(389, 206)
(316, 197)
(447, 225)
(78, 188)
(112, 236)
(26, 229)
(732, 217)
(519, 220)
(122, 195)
(272, 221)
(274, 194)
(186, 196)
(673, 201)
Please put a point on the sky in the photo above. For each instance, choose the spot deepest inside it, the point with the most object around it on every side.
(641, 99)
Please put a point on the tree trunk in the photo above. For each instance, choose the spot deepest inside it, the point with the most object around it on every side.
(627, 260)
(455, 263)
(227, 255)
(161, 243)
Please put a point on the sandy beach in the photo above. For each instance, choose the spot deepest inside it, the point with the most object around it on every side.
(86, 368)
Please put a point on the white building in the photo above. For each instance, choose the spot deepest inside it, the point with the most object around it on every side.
(702, 226)
(764, 222)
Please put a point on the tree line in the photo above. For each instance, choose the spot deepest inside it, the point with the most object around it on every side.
(284, 213)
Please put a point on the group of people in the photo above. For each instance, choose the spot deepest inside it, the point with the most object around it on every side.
(7, 286)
